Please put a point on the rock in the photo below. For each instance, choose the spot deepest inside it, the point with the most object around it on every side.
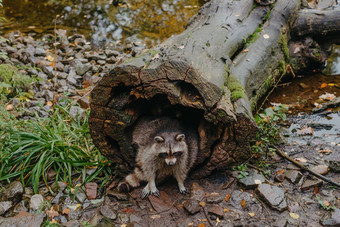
(59, 186)
(57, 198)
(40, 51)
(80, 196)
(280, 177)
(72, 78)
(136, 219)
(216, 210)
(84, 102)
(36, 202)
(80, 68)
(112, 60)
(273, 196)
(332, 220)
(238, 197)
(88, 215)
(321, 169)
(48, 70)
(163, 203)
(196, 192)
(23, 219)
(21, 207)
(91, 190)
(214, 198)
(77, 112)
(334, 165)
(124, 218)
(291, 166)
(119, 196)
(43, 191)
(101, 62)
(105, 222)
(252, 180)
(74, 214)
(293, 176)
(309, 184)
(110, 53)
(106, 211)
(192, 206)
(95, 219)
(12, 190)
(48, 95)
(72, 223)
(5, 206)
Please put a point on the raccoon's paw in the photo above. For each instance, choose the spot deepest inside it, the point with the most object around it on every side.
(145, 192)
(183, 190)
(155, 192)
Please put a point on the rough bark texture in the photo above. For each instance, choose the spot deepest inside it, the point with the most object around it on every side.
(210, 76)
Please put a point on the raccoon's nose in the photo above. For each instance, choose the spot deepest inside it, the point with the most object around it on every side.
(171, 163)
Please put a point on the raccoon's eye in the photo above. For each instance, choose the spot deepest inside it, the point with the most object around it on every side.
(178, 154)
(162, 155)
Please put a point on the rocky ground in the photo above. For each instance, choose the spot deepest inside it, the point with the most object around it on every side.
(274, 193)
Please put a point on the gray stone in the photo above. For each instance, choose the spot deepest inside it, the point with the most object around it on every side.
(192, 206)
(80, 68)
(48, 70)
(135, 219)
(21, 207)
(332, 220)
(43, 191)
(101, 62)
(106, 211)
(40, 51)
(12, 190)
(110, 53)
(310, 184)
(334, 165)
(5, 206)
(48, 95)
(88, 215)
(74, 214)
(293, 176)
(59, 186)
(124, 218)
(23, 219)
(273, 196)
(10, 49)
(56, 199)
(252, 180)
(112, 60)
(36, 201)
(76, 112)
(216, 210)
(81, 196)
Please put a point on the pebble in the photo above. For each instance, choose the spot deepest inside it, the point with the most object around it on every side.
(293, 176)
(192, 206)
(36, 202)
(5, 206)
(252, 180)
(311, 184)
(321, 169)
(217, 211)
(12, 190)
(273, 196)
(106, 211)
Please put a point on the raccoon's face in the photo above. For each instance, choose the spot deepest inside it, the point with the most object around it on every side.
(170, 147)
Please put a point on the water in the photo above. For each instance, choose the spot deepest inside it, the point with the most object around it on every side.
(146, 21)
(333, 62)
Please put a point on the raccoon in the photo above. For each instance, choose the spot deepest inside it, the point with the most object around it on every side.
(164, 148)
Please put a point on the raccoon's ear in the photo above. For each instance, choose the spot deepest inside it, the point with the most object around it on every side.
(159, 139)
(180, 137)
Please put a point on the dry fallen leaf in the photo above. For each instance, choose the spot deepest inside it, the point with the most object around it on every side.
(317, 105)
(331, 84)
(257, 181)
(9, 107)
(50, 58)
(66, 211)
(306, 131)
(281, 171)
(243, 203)
(326, 203)
(201, 225)
(51, 213)
(316, 190)
(325, 151)
(294, 215)
(251, 214)
(227, 197)
(226, 210)
(323, 85)
(202, 204)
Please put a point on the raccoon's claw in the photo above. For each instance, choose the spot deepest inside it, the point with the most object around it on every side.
(145, 192)
(155, 193)
(183, 191)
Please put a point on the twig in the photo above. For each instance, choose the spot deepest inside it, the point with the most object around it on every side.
(264, 205)
(206, 215)
(305, 168)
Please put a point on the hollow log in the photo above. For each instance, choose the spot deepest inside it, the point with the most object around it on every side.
(210, 77)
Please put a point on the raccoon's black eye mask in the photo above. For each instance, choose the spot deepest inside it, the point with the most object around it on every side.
(178, 154)
(162, 155)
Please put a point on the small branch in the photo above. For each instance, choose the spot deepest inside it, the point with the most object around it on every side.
(306, 169)
(206, 215)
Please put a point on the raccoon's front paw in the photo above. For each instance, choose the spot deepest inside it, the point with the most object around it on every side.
(183, 190)
(145, 192)
(155, 192)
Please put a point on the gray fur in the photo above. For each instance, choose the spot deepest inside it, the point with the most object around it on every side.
(162, 135)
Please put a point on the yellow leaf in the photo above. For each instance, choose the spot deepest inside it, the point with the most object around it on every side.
(227, 197)
(201, 225)
(226, 210)
(331, 84)
(50, 58)
(202, 204)
(251, 214)
(294, 215)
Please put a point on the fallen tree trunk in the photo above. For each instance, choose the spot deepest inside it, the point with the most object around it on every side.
(210, 76)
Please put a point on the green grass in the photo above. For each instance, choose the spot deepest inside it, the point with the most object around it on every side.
(31, 148)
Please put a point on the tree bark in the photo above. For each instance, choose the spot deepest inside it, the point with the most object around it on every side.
(210, 76)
